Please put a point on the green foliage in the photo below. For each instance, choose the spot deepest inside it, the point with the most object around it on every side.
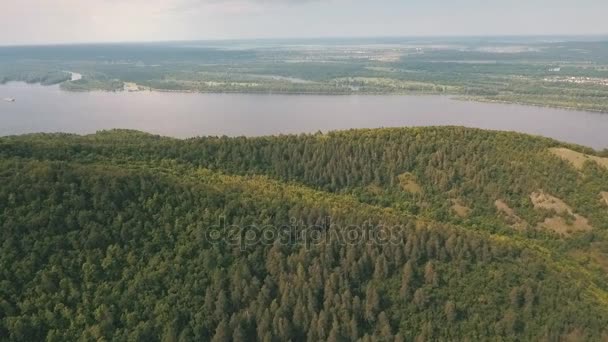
(566, 74)
(109, 237)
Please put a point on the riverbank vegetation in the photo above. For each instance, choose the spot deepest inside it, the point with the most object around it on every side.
(121, 235)
(566, 74)
(32, 74)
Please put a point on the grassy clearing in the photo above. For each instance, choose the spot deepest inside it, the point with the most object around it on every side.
(566, 221)
(564, 226)
(510, 216)
(460, 209)
(578, 159)
(407, 182)
(542, 200)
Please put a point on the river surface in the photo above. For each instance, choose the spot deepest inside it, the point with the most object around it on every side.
(49, 109)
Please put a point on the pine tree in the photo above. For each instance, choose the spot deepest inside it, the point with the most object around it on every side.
(221, 332)
(450, 311)
(372, 303)
(420, 298)
(380, 269)
(239, 334)
(406, 280)
(430, 276)
(334, 333)
(383, 327)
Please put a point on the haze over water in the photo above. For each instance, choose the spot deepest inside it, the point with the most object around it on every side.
(48, 109)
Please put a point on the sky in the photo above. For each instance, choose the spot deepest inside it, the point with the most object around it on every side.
(76, 21)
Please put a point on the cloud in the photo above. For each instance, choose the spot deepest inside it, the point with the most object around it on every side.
(52, 21)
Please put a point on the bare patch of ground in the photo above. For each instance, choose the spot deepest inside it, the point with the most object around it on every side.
(578, 159)
(460, 209)
(132, 86)
(510, 215)
(605, 196)
(407, 182)
(566, 221)
(542, 200)
(561, 226)
(504, 208)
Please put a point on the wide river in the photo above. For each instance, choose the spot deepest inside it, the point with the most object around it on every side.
(48, 109)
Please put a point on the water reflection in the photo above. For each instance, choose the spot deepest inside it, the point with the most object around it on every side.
(48, 109)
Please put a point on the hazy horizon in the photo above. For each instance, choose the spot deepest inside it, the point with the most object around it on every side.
(111, 21)
(342, 40)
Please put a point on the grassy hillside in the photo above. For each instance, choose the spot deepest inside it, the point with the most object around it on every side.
(391, 234)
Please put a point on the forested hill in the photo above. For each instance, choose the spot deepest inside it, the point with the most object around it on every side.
(380, 235)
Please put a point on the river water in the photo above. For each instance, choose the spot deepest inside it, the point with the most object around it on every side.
(49, 109)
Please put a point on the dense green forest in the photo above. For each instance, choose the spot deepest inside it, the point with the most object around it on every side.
(561, 72)
(123, 235)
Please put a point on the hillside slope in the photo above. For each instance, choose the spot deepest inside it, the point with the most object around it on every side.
(124, 235)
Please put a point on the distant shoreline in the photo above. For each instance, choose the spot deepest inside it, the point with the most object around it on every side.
(453, 95)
